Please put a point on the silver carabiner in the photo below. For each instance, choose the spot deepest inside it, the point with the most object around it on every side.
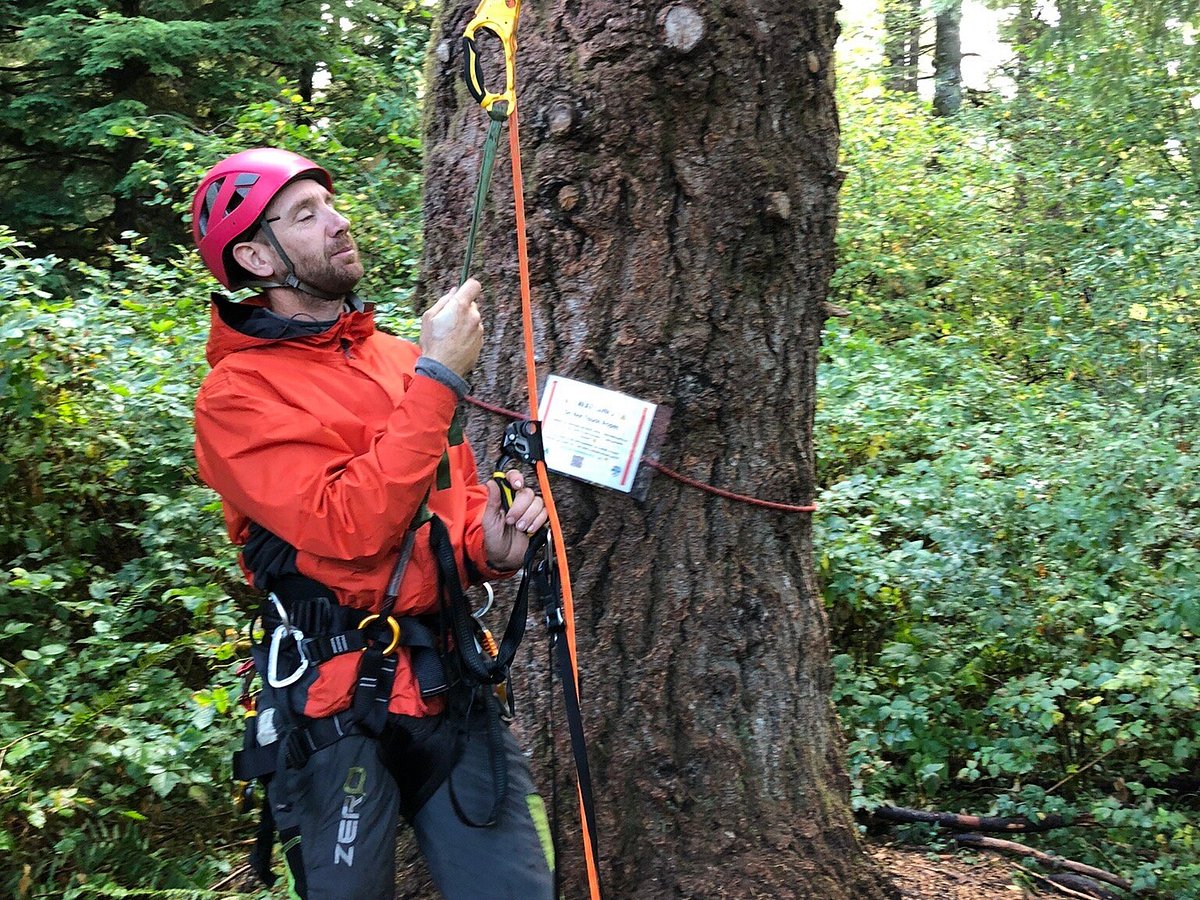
(278, 636)
(491, 599)
(283, 616)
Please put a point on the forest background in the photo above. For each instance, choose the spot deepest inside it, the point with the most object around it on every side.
(1009, 524)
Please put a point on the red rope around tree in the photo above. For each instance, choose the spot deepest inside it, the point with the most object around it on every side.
(671, 473)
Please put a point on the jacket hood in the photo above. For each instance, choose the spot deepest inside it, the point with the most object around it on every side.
(249, 324)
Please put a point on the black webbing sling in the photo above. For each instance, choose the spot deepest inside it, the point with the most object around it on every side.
(545, 577)
(479, 672)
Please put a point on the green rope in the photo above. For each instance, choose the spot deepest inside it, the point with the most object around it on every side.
(481, 189)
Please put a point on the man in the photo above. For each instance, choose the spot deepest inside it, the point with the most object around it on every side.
(328, 443)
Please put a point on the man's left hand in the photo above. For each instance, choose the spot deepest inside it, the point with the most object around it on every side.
(506, 533)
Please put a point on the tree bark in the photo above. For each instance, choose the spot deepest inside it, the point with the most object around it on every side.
(681, 189)
(902, 44)
(947, 60)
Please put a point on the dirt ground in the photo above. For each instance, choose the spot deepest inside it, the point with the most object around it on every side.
(918, 873)
(921, 874)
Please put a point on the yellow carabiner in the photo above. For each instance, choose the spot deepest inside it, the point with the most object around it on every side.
(388, 621)
(500, 18)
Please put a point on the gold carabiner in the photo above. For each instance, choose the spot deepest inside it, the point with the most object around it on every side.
(395, 630)
(500, 18)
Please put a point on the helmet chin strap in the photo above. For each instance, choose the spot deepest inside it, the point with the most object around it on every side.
(292, 281)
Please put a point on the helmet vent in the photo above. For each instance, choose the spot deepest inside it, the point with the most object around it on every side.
(210, 197)
(241, 190)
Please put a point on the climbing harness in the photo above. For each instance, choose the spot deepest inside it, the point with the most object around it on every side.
(545, 567)
(307, 628)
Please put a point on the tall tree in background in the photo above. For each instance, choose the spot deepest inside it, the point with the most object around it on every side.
(902, 43)
(682, 197)
(947, 59)
(76, 77)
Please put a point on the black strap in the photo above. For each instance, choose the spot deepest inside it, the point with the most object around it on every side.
(550, 596)
(376, 672)
(479, 671)
(264, 840)
(496, 760)
(480, 668)
(254, 762)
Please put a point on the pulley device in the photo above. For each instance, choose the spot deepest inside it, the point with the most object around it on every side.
(546, 566)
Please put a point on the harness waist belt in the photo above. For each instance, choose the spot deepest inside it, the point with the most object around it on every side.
(332, 629)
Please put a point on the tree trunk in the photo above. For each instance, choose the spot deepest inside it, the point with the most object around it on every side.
(947, 60)
(1027, 29)
(681, 187)
(902, 44)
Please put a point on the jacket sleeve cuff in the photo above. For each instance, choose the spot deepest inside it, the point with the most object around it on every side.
(443, 375)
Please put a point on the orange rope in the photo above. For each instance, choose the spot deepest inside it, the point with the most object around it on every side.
(560, 550)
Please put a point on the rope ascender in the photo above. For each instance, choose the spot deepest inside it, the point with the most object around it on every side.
(550, 573)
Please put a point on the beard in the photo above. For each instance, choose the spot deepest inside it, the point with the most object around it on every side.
(329, 272)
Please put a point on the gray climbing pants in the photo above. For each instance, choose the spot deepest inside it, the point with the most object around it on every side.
(343, 808)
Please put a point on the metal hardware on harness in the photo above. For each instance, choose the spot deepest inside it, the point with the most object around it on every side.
(279, 608)
(543, 576)
(282, 632)
(395, 631)
(499, 17)
(554, 620)
(491, 599)
(522, 442)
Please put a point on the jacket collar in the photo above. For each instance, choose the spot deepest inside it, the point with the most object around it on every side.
(249, 324)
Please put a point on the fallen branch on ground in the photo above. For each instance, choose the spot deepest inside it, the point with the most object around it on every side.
(1094, 890)
(236, 873)
(966, 822)
(1049, 859)
(1079, 882)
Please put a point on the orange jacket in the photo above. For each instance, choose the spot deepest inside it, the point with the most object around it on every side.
(330, 441)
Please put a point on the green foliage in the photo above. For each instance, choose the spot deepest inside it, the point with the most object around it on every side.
(1015, 585)
(1009, 530)
(118, 625)
(1097, 278)
(121, 602)
(118, 585)
(76, 71)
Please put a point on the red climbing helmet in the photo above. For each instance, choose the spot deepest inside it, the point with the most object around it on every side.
(231, 200)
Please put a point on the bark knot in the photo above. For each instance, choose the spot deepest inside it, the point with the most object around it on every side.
(568, 197)
(779, 206)
(682, 27)
(560, 119)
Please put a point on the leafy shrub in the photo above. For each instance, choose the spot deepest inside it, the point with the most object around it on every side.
(1014, 582)
(1009, 536)
(115, 593)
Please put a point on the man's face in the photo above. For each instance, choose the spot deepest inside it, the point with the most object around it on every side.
(315, 236)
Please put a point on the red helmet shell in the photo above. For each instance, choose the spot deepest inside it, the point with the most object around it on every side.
(232, 198)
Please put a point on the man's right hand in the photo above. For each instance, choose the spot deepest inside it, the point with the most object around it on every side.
(452, 330)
